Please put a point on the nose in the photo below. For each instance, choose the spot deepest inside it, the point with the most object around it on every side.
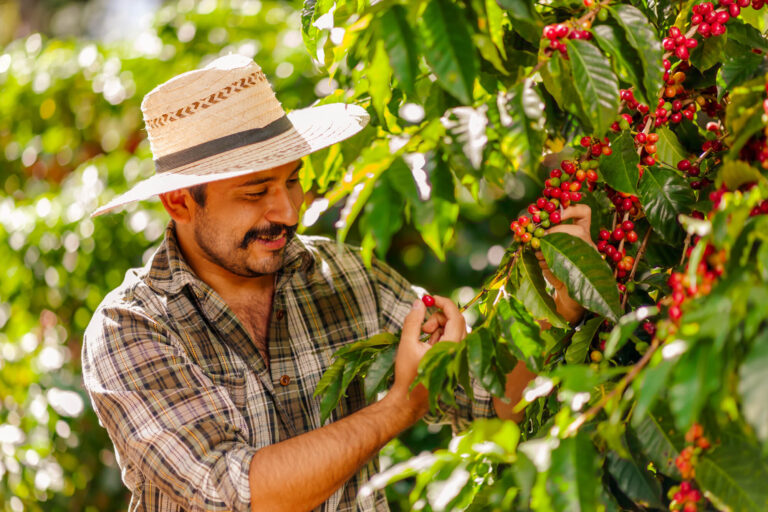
(283, 207)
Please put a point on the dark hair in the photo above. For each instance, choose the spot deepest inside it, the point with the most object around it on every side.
(198, 194)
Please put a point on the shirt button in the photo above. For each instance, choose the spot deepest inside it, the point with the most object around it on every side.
(280, 314)
(285, 380)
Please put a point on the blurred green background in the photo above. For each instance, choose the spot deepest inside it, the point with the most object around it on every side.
(72, 76)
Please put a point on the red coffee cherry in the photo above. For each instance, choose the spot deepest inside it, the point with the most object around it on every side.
(428, 300)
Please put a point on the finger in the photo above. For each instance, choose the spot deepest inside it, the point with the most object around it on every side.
(435, 337)
(456, 327)
(435, 320)
(412, 322)
(577, 212)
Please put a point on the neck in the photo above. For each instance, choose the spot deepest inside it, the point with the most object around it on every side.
(227, 284)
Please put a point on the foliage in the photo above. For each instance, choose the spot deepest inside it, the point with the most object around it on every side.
(72, 135)
(653, 114)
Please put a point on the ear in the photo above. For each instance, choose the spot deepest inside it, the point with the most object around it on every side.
(179, 204)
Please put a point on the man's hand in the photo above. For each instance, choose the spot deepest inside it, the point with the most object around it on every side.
(582, 221)
(445, 325)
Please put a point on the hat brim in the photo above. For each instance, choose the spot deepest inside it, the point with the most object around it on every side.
(314, 128)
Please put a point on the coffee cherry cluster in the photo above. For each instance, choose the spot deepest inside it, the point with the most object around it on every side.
(679, 44)
(709, 269)
(562, 188)
(684, 496)
(710, 22)
(559, 31)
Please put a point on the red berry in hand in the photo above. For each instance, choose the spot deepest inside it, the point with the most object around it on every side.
(428, 300)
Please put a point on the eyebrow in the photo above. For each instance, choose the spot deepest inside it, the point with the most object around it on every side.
(259, 181)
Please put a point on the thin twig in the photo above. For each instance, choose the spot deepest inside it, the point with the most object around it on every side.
(639, 255)
(499, 276)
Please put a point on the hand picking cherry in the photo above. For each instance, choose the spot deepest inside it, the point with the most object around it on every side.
(428, 300)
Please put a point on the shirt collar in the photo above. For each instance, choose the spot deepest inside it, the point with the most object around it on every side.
(168, 271)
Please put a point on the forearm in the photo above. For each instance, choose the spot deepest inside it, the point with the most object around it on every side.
(517, 380)
(302, 472)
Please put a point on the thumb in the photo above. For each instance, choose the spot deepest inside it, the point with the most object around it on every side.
(412, 323)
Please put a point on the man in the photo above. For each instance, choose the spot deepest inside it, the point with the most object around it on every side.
(202, 365)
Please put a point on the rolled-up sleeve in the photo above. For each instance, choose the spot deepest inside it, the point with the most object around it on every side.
(396, 295)
(171, 423)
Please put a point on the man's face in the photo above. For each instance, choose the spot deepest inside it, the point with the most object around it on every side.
(246, 222)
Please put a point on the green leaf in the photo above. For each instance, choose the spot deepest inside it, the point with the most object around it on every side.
(746, 34)
(596, 85)
(669, 150)
(573, 479)
(740, 68)
(496, 22)
(735, 173)
(619, 169)
(436, 218)
(641, 35)
(696, 376)
(625, 327)
(753, 386)
(312, 10)
(379, 75)
(558, 80)
(733, 475)
(383, 216)
(520, 328)
(709, 52)
(448, 48)
(664, 194)
(330, 388)
(636, 482)
(379, 372)
(626, 62)
(480, 354)
(647, 387)
(586, 275)
(576, 353)
(532, 291)
(524, 121)
(401, 47)
(527, 21)
(659, 442)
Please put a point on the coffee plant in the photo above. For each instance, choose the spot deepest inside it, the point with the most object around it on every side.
(653, 114)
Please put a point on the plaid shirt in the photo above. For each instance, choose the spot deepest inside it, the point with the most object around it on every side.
(187, 399)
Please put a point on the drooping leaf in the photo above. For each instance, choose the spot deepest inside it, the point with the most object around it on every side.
(520, 329)
(448, 48)
(641, 35)
(330, 388)
(311, 11)
(733, 475)
(753, 386)
(636, 482)
(624, 57)
(740, 68)
(382, 216)
(659, 441)
(735, 173)
(532, 291)
(481, 354)
(587, 276)
(558, 80)
(435, 219)
(648, 386)
(527, 21)
(379, 75)
(576, 353)
(596, 85)
(709, 52)
(669, 150)
(496, 22)
(664, 194)
(401, 47)
(746, 34)
(619, 169)
(379, 372)
(524, 120)
(695, 377)
(573, 479)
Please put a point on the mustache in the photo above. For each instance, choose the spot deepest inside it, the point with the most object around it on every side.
(268, 231)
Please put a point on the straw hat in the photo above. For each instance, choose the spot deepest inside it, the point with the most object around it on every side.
(224, 121)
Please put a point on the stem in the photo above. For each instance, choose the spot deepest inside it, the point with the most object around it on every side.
(619, 389)
(504, 274)
(685, 247)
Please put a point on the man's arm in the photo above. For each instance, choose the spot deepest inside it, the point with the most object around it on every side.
(302, 472)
